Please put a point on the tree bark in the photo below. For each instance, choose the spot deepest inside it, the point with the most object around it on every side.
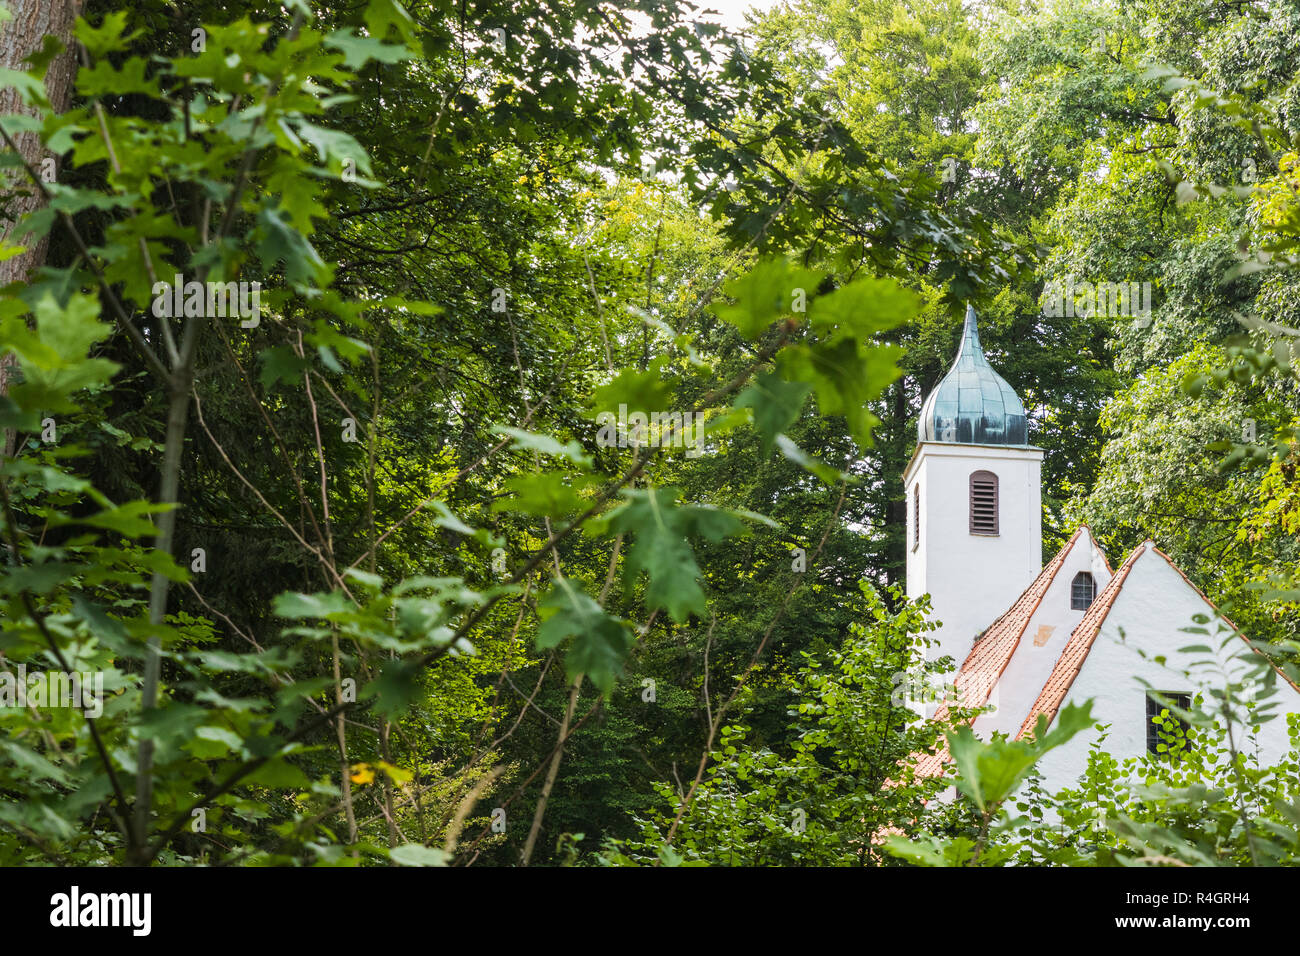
(21, 36)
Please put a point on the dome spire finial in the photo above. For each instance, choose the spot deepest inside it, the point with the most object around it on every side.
(973, 404)
(970, 333)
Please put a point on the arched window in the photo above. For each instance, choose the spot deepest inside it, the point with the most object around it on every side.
(916, 515)
(1082, 591)
(983, 502)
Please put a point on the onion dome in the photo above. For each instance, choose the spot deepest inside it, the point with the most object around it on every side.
(973, 405)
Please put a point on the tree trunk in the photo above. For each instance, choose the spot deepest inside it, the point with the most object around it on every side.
(31, 21)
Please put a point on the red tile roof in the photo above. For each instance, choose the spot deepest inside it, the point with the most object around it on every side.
(993, 651)
(1077, 647)
(1085, 634)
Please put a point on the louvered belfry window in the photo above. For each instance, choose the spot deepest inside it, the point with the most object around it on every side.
(983, 503)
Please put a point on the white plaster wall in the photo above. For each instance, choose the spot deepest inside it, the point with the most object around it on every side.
(1030, 665)
(972, 579)
(1154, 603)
(916, 577)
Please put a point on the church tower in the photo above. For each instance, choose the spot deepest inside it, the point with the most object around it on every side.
(974, 497)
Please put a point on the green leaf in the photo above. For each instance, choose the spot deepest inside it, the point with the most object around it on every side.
(414, 854)
(279, 774)
(130, 520)
(334, 146)
(225, 741)
(773, 288)
(659, 548)
(107, 37)
(645, 392)
(444, 518)
(278, 241)
(931, 851)
(383, 15)
(101, 624)
(359, 50)
(600, 641)
(776, 404)
(299, 201)
(29, 87)
(371, 582)
(846, 377)
(72, 329)
(103, 78)
(396, 688)
(54, 361)
(806, 461)
(294, 605)
(544, 445)
(989, 773)
(545, 495)
(39, 62)
(33, 765)
(861, 309)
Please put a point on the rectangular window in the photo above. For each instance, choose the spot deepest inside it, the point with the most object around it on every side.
(916, 516)
(1162, 740)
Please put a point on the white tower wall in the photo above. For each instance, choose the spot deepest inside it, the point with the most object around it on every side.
(971, 578)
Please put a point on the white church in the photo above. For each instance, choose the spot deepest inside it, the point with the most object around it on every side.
(1031, 638)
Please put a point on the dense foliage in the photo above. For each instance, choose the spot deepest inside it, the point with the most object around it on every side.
(386, 569)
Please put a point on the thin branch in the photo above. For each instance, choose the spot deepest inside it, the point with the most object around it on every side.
(12, 527)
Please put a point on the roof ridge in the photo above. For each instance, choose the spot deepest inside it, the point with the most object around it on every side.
(1079, 645)
(1003, 648)
(1100, 550)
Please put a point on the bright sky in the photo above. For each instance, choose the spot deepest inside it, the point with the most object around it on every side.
(732, 12)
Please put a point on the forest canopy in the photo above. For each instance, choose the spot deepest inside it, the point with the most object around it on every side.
(473, 433)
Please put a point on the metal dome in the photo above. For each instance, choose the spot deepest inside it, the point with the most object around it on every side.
(973, 405)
